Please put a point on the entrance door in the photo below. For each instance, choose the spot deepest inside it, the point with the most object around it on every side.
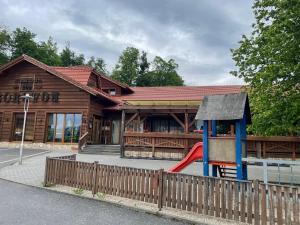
(106, 132)
(116, 128)
(96, 137)
(18, 127)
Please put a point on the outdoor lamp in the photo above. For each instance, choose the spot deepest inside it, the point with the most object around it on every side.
(26, 98)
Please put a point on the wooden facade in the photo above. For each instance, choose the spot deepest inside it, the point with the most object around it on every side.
(52, 95)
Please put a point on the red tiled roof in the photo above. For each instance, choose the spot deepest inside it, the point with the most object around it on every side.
(79, 73)
(178, 93)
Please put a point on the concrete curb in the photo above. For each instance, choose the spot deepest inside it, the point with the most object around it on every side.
(164, 213)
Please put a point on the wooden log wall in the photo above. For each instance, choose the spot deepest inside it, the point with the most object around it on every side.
(244, 201)
(71, 100)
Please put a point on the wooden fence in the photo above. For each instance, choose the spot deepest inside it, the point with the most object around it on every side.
(245, 201)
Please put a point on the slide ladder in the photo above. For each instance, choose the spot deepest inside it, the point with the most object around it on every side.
(227, 171)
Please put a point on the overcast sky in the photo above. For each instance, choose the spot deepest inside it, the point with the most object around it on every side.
(198, 34)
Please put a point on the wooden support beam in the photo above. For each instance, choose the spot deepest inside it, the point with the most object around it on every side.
(178, 120)
(122, 133)
(192, 123)
(186, 123)
(131, 118)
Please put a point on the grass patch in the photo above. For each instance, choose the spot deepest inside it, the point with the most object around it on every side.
(78, 191)
(49, 184)
(101, 195)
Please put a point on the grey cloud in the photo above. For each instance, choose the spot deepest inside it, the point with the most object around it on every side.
(198, 34)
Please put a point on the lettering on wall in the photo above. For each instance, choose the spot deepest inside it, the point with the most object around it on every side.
(29, 85)
(37, 97)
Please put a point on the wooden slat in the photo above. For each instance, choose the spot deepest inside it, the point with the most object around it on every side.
(194, 199)
(212, 196)
(205, 197)
(189, 193)
(223, 198)
(256, 203)
(178, 196)
(287, 209)
(243, 202)
(279, 205)
(296, 212)
(272, 205)
(249, 203)
(236, 202)
(217, 200)
(174, 189)
(263, 204)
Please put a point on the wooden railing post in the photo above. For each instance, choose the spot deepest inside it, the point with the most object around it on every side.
(46, 172)
(94, 178)
(122, 134)
(160, 188)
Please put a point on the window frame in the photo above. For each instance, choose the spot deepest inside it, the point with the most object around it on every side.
(63, 127)
(21, 83)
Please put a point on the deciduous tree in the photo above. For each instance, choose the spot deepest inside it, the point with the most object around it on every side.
(98, 64)
(126, 70)
(269, 62)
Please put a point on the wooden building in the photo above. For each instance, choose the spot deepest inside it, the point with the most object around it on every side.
(75, 106)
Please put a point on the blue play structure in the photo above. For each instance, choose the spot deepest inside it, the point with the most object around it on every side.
(225, 152)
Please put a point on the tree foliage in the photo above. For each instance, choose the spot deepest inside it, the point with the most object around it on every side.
(127, 68)
(70, 58)
(134, 69)
(98, 64)
(163, 74)
(269, 62)
(4, 46)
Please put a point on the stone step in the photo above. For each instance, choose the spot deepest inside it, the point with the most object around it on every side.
(102, 149)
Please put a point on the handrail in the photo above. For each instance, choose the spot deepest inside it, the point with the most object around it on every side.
(82, 141)
(163, 135)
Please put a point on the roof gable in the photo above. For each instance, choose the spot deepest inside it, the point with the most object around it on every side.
(224, 107)
(53, 71)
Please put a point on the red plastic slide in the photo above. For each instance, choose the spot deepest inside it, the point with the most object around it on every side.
(194, 154)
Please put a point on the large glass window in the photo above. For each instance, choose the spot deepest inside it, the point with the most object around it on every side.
(64, 127)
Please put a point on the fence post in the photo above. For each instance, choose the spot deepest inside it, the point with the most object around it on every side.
(46, 172)
(94, 178)
(256, 203)
(160, 190)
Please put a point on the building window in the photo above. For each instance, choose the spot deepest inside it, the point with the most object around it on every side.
(111, 91)
(18, 127)
(27, 84)
(64, 127)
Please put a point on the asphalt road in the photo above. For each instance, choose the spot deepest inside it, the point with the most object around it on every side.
(26, 205)
(12, 155)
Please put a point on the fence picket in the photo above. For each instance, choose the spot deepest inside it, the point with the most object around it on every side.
(279, 205)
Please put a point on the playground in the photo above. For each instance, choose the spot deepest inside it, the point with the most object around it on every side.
(226, 155)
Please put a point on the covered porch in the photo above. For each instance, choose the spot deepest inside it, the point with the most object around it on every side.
(158, 132)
